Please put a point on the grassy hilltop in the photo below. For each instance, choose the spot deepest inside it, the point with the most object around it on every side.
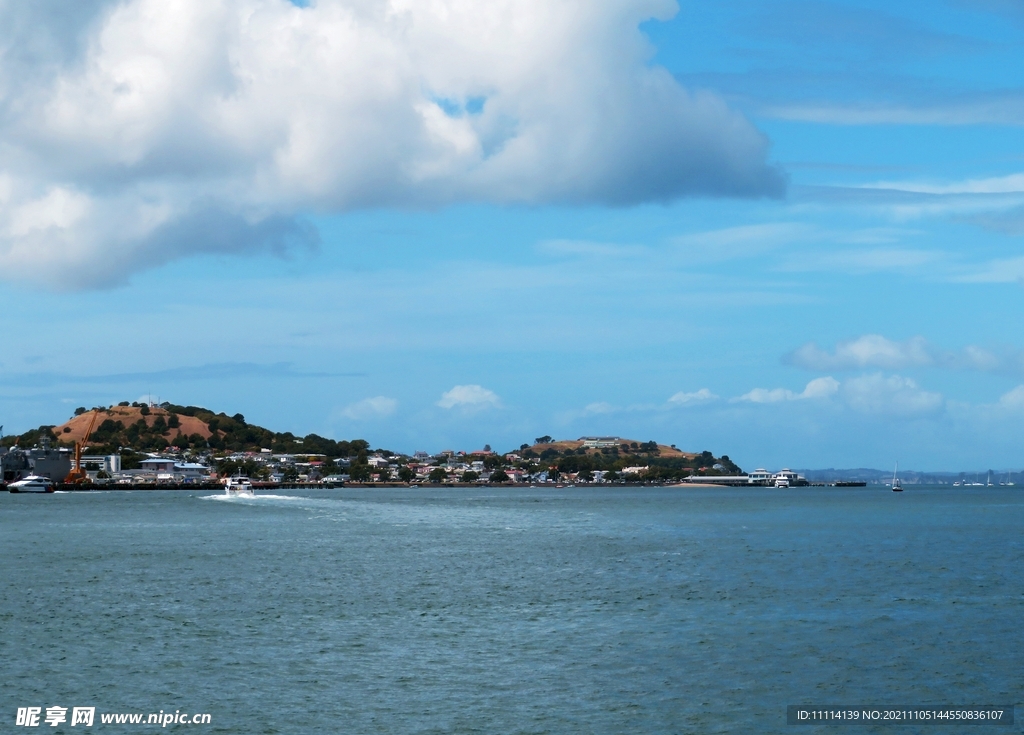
(662, 462)
(189, 428)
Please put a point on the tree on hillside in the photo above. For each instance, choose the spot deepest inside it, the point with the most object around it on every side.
(438, 474)
(493, 460)
(731, 467)
(542, 440)
(247, 468)
(131, 460)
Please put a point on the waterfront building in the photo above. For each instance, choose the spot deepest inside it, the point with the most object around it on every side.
(599, 442)
(761, 476)
(109, 463)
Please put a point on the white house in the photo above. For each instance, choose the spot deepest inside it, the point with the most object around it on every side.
(110, 463)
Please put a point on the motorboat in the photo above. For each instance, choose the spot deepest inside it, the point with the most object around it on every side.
(787, 478)
(238, 487)
(32, 484)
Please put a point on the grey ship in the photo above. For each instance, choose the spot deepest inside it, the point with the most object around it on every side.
(45, 461)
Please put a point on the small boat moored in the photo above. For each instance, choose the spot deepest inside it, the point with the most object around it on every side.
(31, 484)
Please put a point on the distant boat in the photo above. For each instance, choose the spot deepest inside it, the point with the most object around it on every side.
(32, 484)
(897, 486)
(238, 487)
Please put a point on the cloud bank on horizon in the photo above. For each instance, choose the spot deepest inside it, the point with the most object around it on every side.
(874, 350)
(138, 132)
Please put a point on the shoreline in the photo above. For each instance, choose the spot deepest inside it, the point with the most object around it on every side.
(209, 487)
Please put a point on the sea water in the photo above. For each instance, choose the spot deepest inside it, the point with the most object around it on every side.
(510, 610)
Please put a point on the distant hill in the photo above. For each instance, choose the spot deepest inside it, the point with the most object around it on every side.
(663, 462)
(910, 477)
(156, 428)
(130, 428)
(156, 420)
(628, 446)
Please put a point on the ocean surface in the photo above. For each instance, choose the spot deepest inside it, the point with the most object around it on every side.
(511, 610)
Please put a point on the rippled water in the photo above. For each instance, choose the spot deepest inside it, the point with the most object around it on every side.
(510, 610)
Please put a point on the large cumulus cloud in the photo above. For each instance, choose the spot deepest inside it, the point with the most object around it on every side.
(142, 130)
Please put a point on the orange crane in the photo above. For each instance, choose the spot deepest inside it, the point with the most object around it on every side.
(77, 474)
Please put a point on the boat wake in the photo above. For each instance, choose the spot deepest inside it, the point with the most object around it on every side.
(250, 498)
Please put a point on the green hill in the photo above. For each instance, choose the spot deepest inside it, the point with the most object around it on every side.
(142, 428)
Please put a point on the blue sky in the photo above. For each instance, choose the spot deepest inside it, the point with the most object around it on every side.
(788, 232)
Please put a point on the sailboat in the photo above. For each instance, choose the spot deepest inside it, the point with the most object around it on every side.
(897, 486)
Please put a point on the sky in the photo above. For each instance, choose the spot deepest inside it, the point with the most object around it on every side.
(787, 232)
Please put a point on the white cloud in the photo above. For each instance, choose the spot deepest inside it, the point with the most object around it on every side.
(992, 203)
(872, 394)
(469, 396)
(1014, 399)
(816, 389)
(1009, 222)
(977, 358)
(689, 399)
(141, 131)
(821, 388)
(999, 270)
(893, 395)
(869, 350)
(1011, 184)
(995, 109)
(371, 408)
(585, 248)
(863, 261)
(874, 350)
(741, 241)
